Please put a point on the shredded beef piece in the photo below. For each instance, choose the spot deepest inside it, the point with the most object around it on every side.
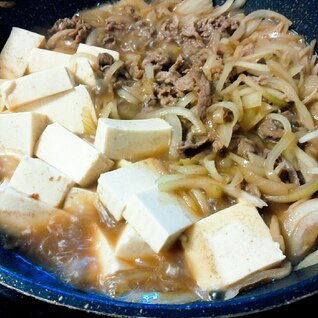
(193, 142)
(244, 147)
(104, 60)
(287, 172)
(81, 28)
(145, 29)
(270, 130)
(134, 70)
(226, 25)
(157, 58)
(167, 77)
(196, 81)
(169, 30)
(294, 121)
(191, 47)
(167, 94)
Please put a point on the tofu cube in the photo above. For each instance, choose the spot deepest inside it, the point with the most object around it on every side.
(84, 73)
(131, 246)
(228, 246)
(107, 261)
(116, 187)
(35, 86)
(41, 60)
(36, 177)
(72, 155)
(95, 51)
(158, 217)
(77, 198)
(15, 54)
(65, 108)
(19, 132)
(132, 139)
(19, 212)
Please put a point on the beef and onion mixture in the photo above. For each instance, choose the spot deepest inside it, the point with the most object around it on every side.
(163, 152)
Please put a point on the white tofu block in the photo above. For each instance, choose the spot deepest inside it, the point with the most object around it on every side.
(77, 198)
(116, 187)
(41, 60)
(20, 131)
(72, 155)
(158, 217)
(108, 263)
(132, 139)
(95, 50)
(228, 246)
(14, 56)
(65, 108)
(131, 246)
(35, 86)
(84, 73)
(19, 212)
(36, 177)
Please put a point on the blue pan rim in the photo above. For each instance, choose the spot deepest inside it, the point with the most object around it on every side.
(102, 304)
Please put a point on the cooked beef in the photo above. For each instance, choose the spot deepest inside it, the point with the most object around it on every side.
(223, 24)
(287, 172)
(169, 30)
(80, 28)
(244, 147)
(158, 58)
(196, 81)
(270, 130)
(104, 61)
(193, 142)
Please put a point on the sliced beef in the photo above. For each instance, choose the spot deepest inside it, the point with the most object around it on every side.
(104, 61)
(287, 172)
(166, 94)
(158, 58)
(81, 28)
(196, 81)
(169, 30)
(245, 146)
(270, 130)
(224, 24)
(193, 142)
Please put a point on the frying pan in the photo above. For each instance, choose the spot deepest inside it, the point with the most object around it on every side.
(17, 273)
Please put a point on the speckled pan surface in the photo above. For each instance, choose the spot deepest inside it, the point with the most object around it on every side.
(17, 273)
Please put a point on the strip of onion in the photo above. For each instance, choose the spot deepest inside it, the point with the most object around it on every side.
(245, 90)
(202, 201)
(190, 202)
(127, 96)
(268, 187)
(89, 124)
(305, 162)
(188, 7)
(55, 38)
(252, 66)
(190, 169)
(177, 182)
(211, 168)
(302, 111)
(299, 193)
(238, 101)
(256, 160)
(310, 136)
(149, 72)
(247, 164)
(228, 67)
(250, 199)
(262, 276)
(252, 100)
(234, 85)
(313, 170)
(183, 112)
(296, 212)
(221, 9)
(294, 70)
(286, 141)
(303, 238)
(176, 135)
(112, 70)
(186, 100)
(310, 260)
(283, 120)
(274, 228)
(114, 110)
(106, 110)
(277, 70)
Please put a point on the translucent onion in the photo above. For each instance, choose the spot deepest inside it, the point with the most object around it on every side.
(310, 136)
(89, 122)
(299, 193)
(305, 163)
(186, 100)
(149, 72)
(183, 112)
(112, 70)
(121, 92)
(176, 135)
(176, 182)
(310, 260)
(55, 38)
(189, 7)
(228, 67)
(202, 201)
(274, 228)
(190, 169)
(285, 142)
(211, 168)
